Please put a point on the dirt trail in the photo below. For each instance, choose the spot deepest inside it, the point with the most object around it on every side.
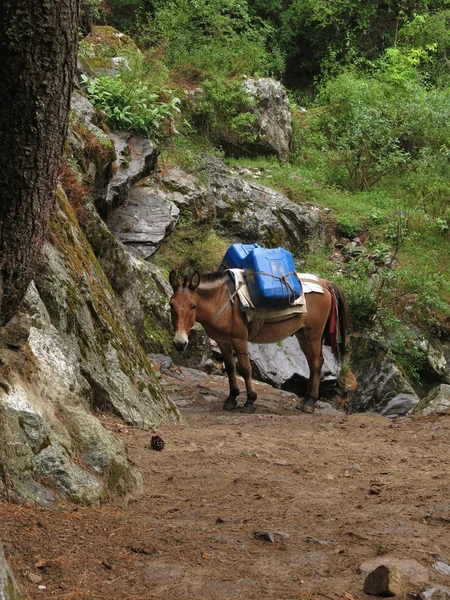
(332, 491)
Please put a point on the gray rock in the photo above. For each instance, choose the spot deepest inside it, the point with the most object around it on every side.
(441, 567)
(383, 581)
(81, 355)
(136, 158)
(400, 405)
(439, 592)
(242, 210)
(90, 147)
(438, 361)
(249, 212)
(143, 292)
(273, 128)
(384, 383)
(9, 590)
(79, 485)
(437, 399)
(410, 569)
(94, 349)
(284, 365)
(143, 221)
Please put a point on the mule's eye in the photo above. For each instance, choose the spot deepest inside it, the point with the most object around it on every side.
(193, 307)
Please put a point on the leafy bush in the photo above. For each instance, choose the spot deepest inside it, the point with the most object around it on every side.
(348, 226)
(362, 131)
(133, 107)
(211, 37)
(362, 300)
(222, 112)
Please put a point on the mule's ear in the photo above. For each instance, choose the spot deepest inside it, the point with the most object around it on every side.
(174, 280)
(195, 280)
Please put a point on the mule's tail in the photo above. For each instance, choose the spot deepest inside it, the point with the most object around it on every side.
(342, 314)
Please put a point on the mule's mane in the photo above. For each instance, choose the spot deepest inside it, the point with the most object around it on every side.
(211, 277)
(205, 278)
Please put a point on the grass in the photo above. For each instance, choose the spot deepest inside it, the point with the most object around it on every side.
(191, 247)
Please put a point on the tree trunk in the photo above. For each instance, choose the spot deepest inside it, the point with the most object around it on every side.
(38, 41)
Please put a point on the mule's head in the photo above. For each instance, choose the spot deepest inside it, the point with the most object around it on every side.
(183, 305)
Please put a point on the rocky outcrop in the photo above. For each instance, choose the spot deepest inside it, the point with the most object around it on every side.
(273, 127)
(74, 355)
(136, 158)
(243, 210)
(249, 212)
(144, 220)
(102, 52)
(438, 399)
(382, 386)
(9, 590)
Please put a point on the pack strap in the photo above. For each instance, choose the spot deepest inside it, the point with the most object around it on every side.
(292, 294)
(230, 300)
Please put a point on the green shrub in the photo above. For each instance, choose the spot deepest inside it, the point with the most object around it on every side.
(211, 37)
(348, 226)
(223, 112)
(362, 300)
(132, 107)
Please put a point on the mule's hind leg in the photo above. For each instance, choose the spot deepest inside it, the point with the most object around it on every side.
(245, 369)
(312, 348)
(230, 368)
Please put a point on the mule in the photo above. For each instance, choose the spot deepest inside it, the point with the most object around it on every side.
(210, 300)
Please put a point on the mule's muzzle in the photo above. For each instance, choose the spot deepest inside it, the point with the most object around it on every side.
(180, 345)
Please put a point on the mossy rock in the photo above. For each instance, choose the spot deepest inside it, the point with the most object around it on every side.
(107, 42)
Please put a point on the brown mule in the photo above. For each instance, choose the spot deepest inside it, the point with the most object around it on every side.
(207, 300)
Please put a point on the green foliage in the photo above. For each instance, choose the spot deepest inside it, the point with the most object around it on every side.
(426, 30)
(361, 129)
(362, 300)
(191, 247)
(409, 352)
(211, 37)
(133, 107)
(348, 226)
(223, 112)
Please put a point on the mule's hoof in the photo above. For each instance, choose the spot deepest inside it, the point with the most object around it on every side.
(307, 408)
(248, 409)
(230, 404)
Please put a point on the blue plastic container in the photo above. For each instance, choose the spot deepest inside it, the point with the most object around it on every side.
(235, 255)
(264, 270)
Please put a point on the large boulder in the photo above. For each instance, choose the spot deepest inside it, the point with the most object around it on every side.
(382, 386)
(284, 365)
(143, 292)
(249, 212)
(273, 126)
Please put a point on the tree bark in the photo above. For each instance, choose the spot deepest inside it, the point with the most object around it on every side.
(38, 42)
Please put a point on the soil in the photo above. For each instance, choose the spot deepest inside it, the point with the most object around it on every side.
(276, 505)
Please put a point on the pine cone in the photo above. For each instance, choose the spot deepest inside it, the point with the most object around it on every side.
(157, 443)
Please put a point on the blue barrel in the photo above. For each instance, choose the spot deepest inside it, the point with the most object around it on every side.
(235, 255)
(271, 278)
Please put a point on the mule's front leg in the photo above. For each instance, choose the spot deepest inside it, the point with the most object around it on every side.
(230, 368)
(245, 369)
